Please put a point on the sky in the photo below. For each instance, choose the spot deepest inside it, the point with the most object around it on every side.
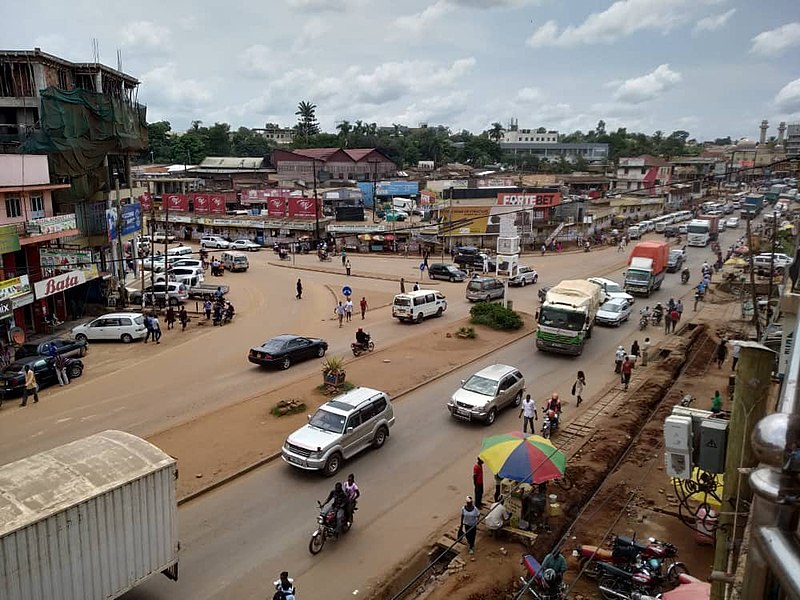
(711, 67)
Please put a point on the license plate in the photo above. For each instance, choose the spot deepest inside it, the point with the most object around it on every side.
(462, 412)
(294, 460)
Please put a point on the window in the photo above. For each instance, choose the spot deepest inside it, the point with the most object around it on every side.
(380, 405)
(37, 206)
(354, 421)
(368, 412)
(13, 207)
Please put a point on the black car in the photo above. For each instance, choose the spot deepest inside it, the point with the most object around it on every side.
(69, 348)
(445, 271)
(675, 261)
(474, 262)
(12, 378)
(283, 350)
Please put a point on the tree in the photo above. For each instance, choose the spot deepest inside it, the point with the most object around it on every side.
(160, 141)
(601, 128)
(496, 131)
(245, 142)
(307, 124)
(219, 141)
(345, 129)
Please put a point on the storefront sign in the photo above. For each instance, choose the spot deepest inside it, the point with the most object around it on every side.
(495, 182)
(47, 225)
(179, 219)
(60, 260)
(303, 207)
(146, 201)
(6, 308)
(276, 206)
(131, 215)
(532, 199)
(17, 286)
(20, 301)
(217, 204)
(427, 198)
(9, 239)
(175, 202)
(202, 204)
(59, 283)
(356, 228)
(397, 188)
(262, 196)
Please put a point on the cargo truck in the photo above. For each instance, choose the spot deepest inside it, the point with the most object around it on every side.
(713, 225)
(751, 208)
(698, 233)
(567, 315)
(647, 266)
(88, 520)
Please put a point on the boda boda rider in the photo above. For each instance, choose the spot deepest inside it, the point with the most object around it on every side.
(339, 503)
(362, 337)
(553, 407)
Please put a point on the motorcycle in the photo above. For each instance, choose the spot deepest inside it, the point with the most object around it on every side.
(643, 322)
(227, 317)
(624, 552)
(655, 318)
(326, 527)
(358, 349)
(539, 583)
(324, 257)
(284, 255)
(615, 582)
(549, 422)
(685, 276)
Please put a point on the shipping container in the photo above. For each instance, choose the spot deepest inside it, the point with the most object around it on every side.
(87, 520)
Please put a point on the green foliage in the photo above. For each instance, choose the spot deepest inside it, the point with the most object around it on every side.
(495, 316)
(466, 333)
(329, 390)
(332, 365)
(623, 143)
(307, 124)
(287, 407)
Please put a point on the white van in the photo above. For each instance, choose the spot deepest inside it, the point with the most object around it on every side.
(180, 251)
(235, 261)
(415, 306)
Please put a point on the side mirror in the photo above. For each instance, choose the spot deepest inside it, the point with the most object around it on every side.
(349, 429)
(463, 381)
(308, 417)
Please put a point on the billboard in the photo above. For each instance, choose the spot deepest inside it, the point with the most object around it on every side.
(302, 207)
(276, 206)
(9, 239)
(146, 201)
(262, 196)
(131, 222)
(397, 188)
(532, 199)
(201, 203)
(15, 287)
(217, 204)
(175, 202)
(464, 220)
(427, 198)
(59, 283)
(488, 220)
(60, 260)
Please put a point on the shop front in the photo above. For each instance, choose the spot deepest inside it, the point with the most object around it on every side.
(15, 296)
(51, 298)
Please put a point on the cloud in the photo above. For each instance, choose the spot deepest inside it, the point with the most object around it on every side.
(647, 87)
(146, 36)
(165, 86)
(775, 41)
(419, 21)
(528, 95)
(321, 5)
(257, 59)
(714, 22)
(788, 99)
(621, 19)
(313, 29)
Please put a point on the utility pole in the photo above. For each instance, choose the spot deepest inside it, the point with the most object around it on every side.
(120, 251)
(316, 201)
(753, 380)
(753, 295)
(771, 268)
(374, 172)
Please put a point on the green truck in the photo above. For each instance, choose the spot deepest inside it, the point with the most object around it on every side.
(567, 316)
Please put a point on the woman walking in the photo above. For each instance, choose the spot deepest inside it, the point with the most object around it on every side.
(577, 387)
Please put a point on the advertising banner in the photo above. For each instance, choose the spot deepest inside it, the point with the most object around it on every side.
(397, 188)
(464, 220)
(276, 206)
(201, 203)
(47, 225)
(9, 239)
(175, 202)
(217, 204)
(537, 199)
(302, 207)
(262, 196)
(426, 198)
(131, 221)
(15, 287)
(146, 201)
(59, 283)
(60, 260)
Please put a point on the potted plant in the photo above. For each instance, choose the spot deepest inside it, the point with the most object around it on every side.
(333, 372)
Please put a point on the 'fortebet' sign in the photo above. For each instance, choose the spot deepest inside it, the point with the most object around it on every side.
(526, 200)
(60, 283)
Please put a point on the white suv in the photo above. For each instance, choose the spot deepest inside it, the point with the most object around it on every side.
(214, 241)
(764, 260)
(113, 326)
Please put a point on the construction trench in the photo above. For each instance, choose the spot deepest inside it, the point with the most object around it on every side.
(619, 427)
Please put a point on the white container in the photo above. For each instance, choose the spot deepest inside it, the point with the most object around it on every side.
(87, 520)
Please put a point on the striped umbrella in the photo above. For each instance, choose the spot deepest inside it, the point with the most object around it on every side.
(521, 457)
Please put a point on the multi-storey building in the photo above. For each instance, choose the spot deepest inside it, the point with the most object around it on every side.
(792, 141)
(276, 133)
(545, 144)
(359, 164)
(648, 175)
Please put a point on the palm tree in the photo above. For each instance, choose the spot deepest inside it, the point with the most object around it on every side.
(306, 119)
(345, 129)
(396, 132)
(496, 132)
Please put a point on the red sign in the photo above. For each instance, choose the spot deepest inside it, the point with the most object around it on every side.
(217, 204)
(426, 198)
(302, 207)
(530, 199)
(175, 202)
(202, 205)
(276, 206)
(146, 200)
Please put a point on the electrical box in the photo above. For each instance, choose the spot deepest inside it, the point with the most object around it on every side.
(508, 245)
(679, 464)
(713, 442)
(678, 433)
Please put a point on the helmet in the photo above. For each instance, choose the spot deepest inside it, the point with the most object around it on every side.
(549, 575)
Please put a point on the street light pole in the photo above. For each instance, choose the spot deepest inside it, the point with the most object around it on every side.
(772, 264)
(316, 201)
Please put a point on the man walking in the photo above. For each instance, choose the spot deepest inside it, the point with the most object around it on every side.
(364, 307)
(675, 317)
(299, 286)
(619, 356)
(527, 412)
(148, 325)
(347, 267)
(402, 285)
(31, 387)
(627, 369)
(477, 481)
(156, 329)
(339, 312)
(348, 309)
(667, 320)
(60, 365)
(183, 317)
(645, 351)
(722, 353)
(207, 309)
(578, 386)
(344, 258)
(470, 515)
(679, 308)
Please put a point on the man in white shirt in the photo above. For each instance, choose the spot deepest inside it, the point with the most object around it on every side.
(528, 412)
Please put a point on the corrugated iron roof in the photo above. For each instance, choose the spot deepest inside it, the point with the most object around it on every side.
(232, 162)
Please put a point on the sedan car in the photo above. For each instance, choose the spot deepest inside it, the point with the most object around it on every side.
(612, 289)
(12, 378)
(613, 312)
(675, 261)
(525, 275)
(246, 245)
(283, 350)
(732, 222)
(66, 347)
(488, 391)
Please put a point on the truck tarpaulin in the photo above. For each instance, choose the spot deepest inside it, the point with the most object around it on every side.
(657, 251)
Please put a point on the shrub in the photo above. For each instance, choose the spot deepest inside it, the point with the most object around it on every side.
(466, 332)
(495, 316)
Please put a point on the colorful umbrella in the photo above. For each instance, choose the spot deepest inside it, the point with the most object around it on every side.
(521, 457)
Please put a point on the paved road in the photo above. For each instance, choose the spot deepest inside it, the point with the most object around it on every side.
(238, 538)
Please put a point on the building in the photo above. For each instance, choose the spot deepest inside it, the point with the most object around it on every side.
(791, 143)
(647, 174)
(590, 152)
(276, 133)
(518, 136)
(324, 164)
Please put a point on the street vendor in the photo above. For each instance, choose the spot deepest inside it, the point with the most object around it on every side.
(497, 517)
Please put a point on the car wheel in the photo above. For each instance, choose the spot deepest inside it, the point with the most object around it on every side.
(126, 338)
(535, 278)
(380, 437)
(83, 351)
(439, 312)
(74, 371)
(518, 398)
(419, 318)
(452, 279)
(321, 351)
(522, 283)
(286, 363)
(332, 464)
(490, 418)
(81, 338)
(173, 302)
(487, 299)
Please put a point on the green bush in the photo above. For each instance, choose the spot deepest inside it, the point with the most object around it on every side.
(495, 316)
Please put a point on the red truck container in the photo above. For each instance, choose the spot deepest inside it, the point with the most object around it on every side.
(658, 251)
(713, 221)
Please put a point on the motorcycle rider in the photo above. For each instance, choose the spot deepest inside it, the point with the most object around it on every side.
(553, 410)
(284, 588)
(685, 274)
(353, 493)
(362, 338)
(658, 312)
(339, 505)
(645, 312)
(556, 562)
(229, 311)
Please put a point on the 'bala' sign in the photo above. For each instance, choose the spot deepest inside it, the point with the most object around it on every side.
(59, 283)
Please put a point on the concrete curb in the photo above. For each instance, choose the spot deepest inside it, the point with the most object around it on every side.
(272, 457)
(361, 275)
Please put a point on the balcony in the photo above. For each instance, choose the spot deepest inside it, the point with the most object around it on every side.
(46, 228)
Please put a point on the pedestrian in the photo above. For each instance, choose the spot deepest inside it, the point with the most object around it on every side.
(348, 309)
(60, 365)
(207, 309)
(183, 318)
(485, 264)
(735, 354)
(339, 312)
(645, 351)
(722, 353)
(477, 481)
(543, 249)
(148, 325)
(363, 305)
(425, 260)
(667, 320)
(635, 350)
(470, 515)
(716, 403)
(416, 286)
(619, 356)
(627, 369)
(679, 308)
(402, 285)
(528, 412)
(577, 387)
(347, 266)
(344, 257)
(299, 287)
(31, 387)
(675, 316)
(170, 317)
(621, 246)
(156, 329)
(498, 488)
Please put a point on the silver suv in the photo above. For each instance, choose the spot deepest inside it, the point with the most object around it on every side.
(340, 429)
(485, 393)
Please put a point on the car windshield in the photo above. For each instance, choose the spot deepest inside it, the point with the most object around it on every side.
(480, 385)
(698, 228)
(556, 317)
(614, 288)
(273, 345)
(474, 285)
(402, 301)
(327, 421)
(609, 307)
(638, 276)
